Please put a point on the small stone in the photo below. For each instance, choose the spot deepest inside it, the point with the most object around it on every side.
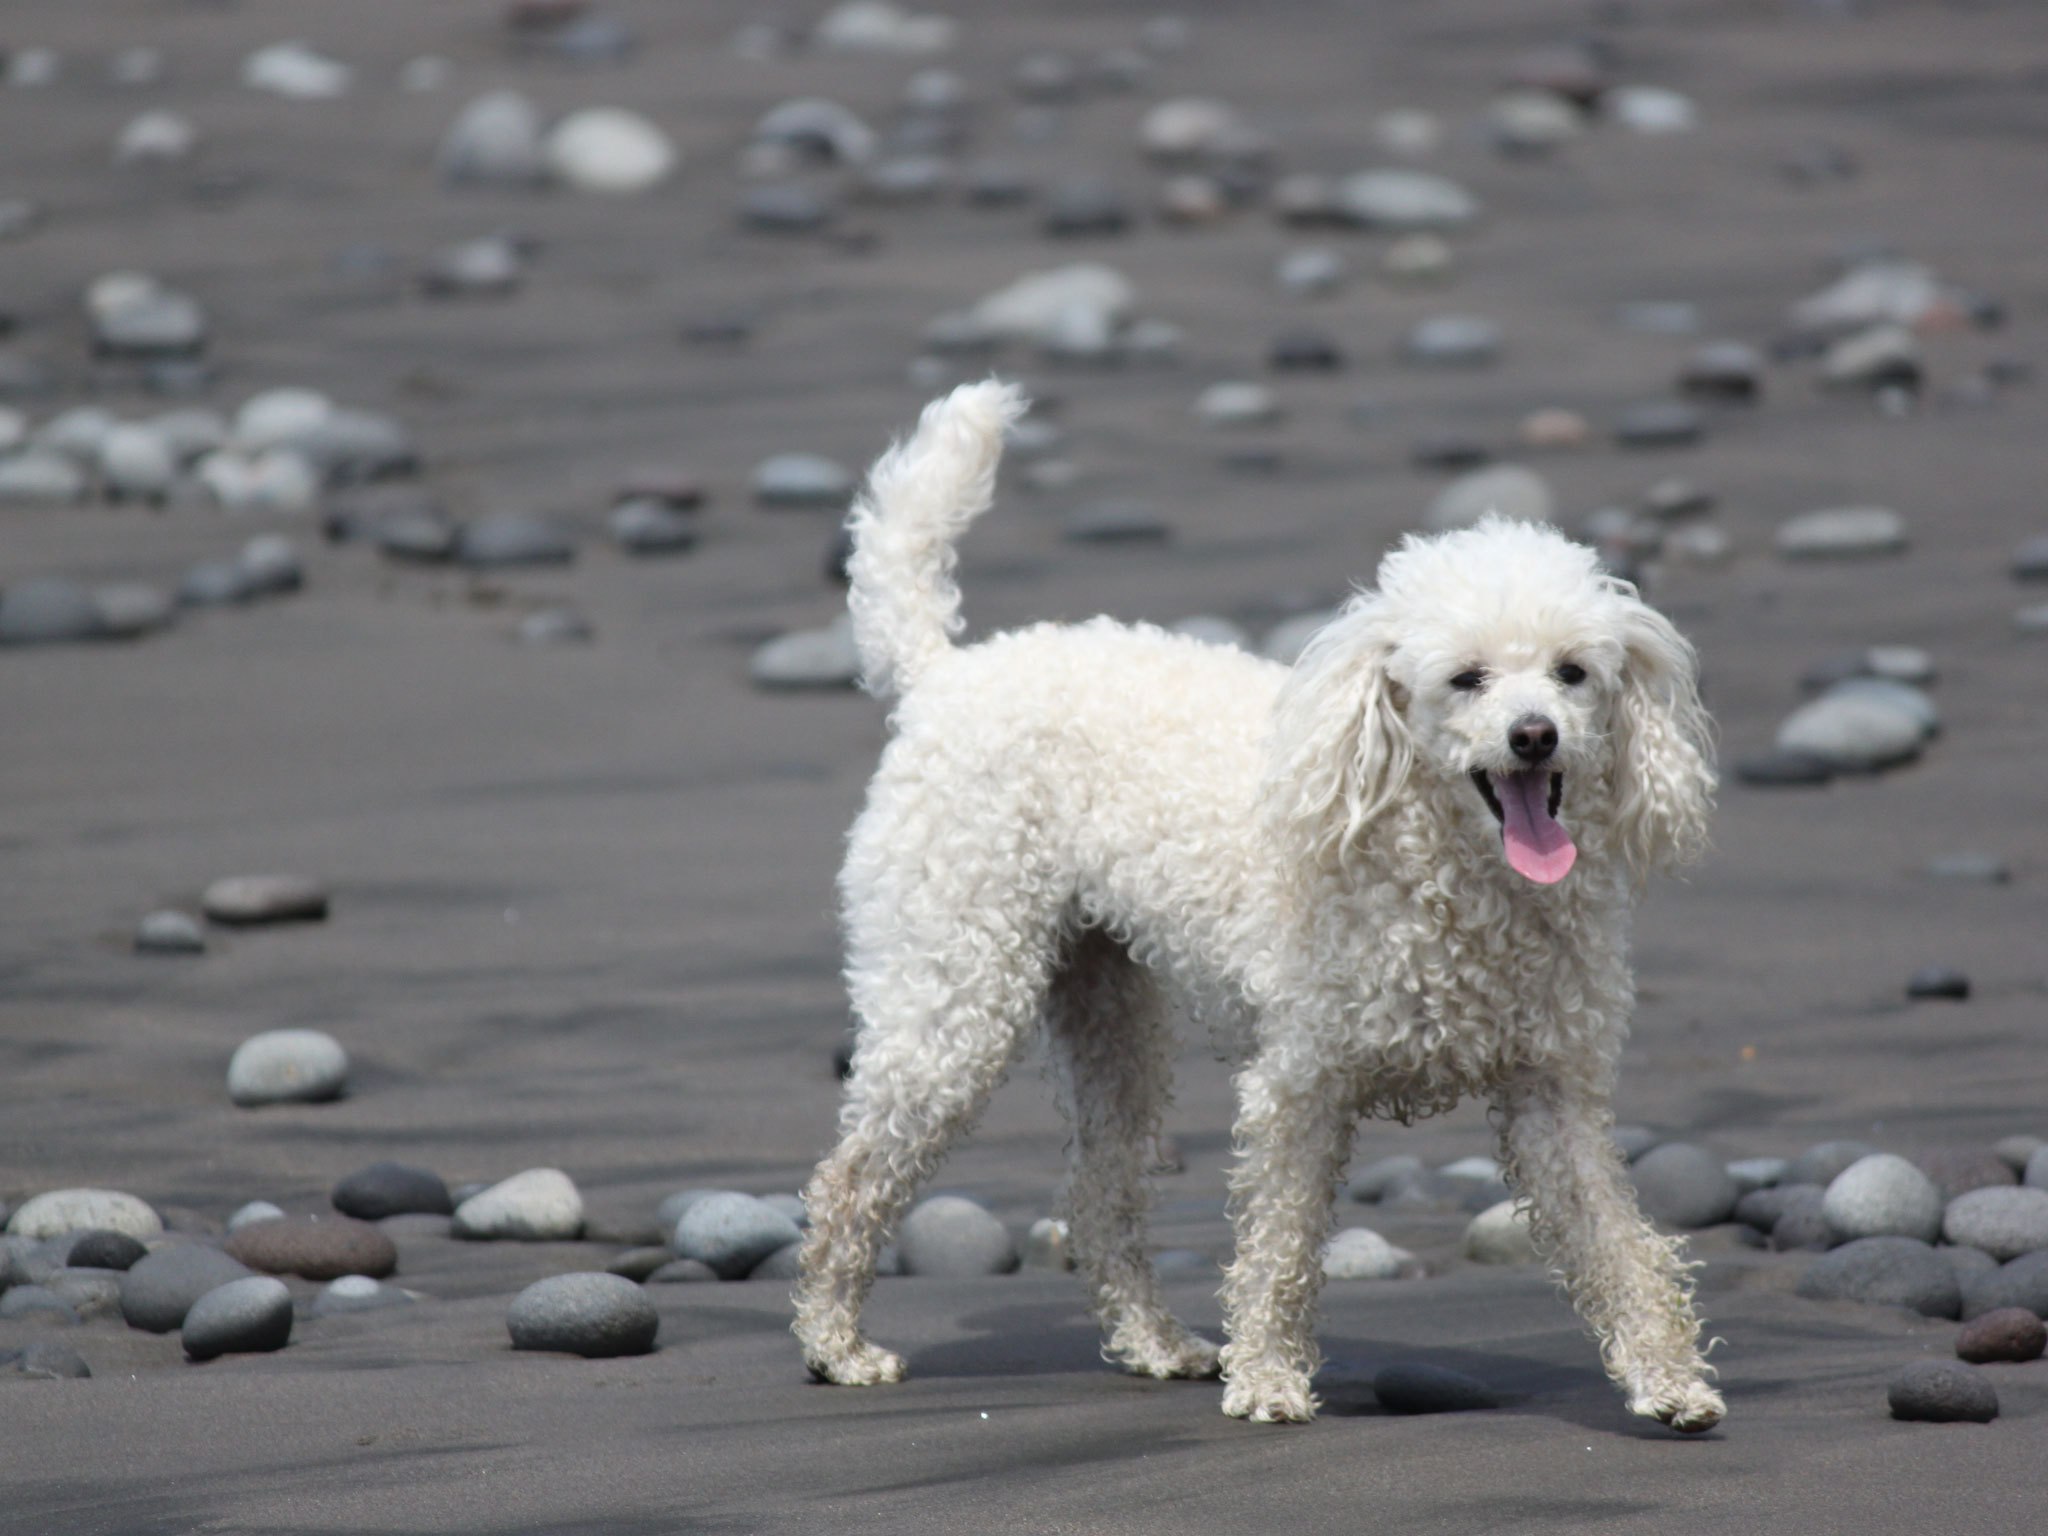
(101, 1248)
(422, 536)
(1048, 1245)
(2030, 560)
(356, 1293)
(1883, 357)
(1081, 206)
(1802, 1221)
(1938, 981)
(249, 900)
(2005, 1223)
(254, 1211)
(1762, 1208)
(1359, 1253)
(1115, 522)
(686, 1272)
(1500, 1235)
(277, 480)
(1941, 1392)
(597, 1316)
(1413, 1387)
(732, 1232)
(157, 1291)
(1237, 404)
(489, 267)
(156, 138)
(2006, 1334)
(1449, 451)
(1971, 1265)
(58, 1211)
(392, 1189)
(1958, 1170)
(1822, 1162)
(1459, 341)
(1506, 489)
(1753, 1173)
(1659, 424)
(2017, 1152)
(1682, 1185)
(137, 460)
(782, 1264)
(1404, 201)
(1417, 259)
(1851, 734)
(609, 150)
(47, 610)
(1883, 1195)
(539, 1205)
(554, 626)
(2023, 1282)
(296, 72)
(1310, 271)
(1632, 1141)
(270, 564)
(637, 1264)
(1373, 1181)
(1783, 769)
(1532, 122)
(2035, 1174)
(287, 1066)
(147, 321)
(1885, 1271)
(644, 526)
(1552, 430)
(508, 540)
(49, 1360)
(952, 1236)
(250, 1316)
(314, 1247)
(1723, 370)
(1304, 351)
(809, 658)
(38, 1302)
(802, 480)
(1842, 532)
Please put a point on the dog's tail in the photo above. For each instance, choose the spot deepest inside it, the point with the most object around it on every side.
(920, 497)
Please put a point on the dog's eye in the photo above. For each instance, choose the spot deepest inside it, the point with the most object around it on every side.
(1570, 673)
(1467, 682)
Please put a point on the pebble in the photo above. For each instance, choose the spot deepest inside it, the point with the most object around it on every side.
(1970, 1265)
(274, 417)
(1839, 532)
(609, 150)
(1359, 1253)
(102, 1248)
(392, 1189)
(1407, 131)
(356, 1293)
(1115, 522)
(295, 71)
(156, 138)
(1802, 1220)
(424, 536)
(637, 1264)
(49, 1360)
(554, 626)
(1941, 1392)
(882, 27)
(2023, 1282)
(47, 610)
(819, 129)
(1958, 1170)
(314, 1247)
(1651, 110)
(1553, 430)
(1886, 1271)
(688, 1272)
(287, 1066)
(2017, 1152)
(782, 1264)
(1659, 424)
(145, 320)
(1753, 1173)
(58, 1211)
(952, 1236)
(1784, 769)
(276, 480)
(254, 1211)
(1235, 403)
(1048, 1245)
(157, 1291)
(1304, 351)
(2034, 1174)
(137, 461)
(1507, 489)
(490, 266)
(1374, 1180)
(1883, 357)
(1449, 451)
(1416, 259)
(595, 1315)
(39, 478)
(1499, 1235)
(1883, 1195)
(509, 540)
(39, 1302)
(1461, 341)
(802, 480)
(2005, 1223)
(2030, 560)
(1413, 1387)
(2010, 1334)
(539, 1205)
(1036, 305)
(1531, 122)
(731, 1232)
(250, 1316)
(1938, 981)
(270, 565)
(1083, 206)
(91, 1293)
(809, 658)
(1310, 271)
(1682, 1185)
(1851, 734)
(1404, 201)
(213, 584)
(1821, 1162)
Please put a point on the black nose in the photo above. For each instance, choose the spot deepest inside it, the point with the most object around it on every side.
(1533, 738)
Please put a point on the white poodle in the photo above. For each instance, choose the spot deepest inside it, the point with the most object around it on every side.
(1406, 864)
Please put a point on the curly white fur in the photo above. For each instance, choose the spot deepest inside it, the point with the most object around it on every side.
(1070, 822)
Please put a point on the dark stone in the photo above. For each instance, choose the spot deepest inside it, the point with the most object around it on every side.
(637, 1264)
(644, 526)
(683, 1272)
(779, 1265)
(1304, 352)
(1659, 424)
(315, 1247)
(1683, 1185)
(1412, 1387)
(1083, 206)
(45, 610)
(2006, 1334)
(158, 1290)
(1941, 1392)
(785, 208)
(1958, 1170)
(48, 1360)
(1938, 981)
(1801, 1223)
(392, 1189)
(1449, 451)
(1823, 1161)
(1723, 370)
(1885, 1271)
(2030, 560)
(38, 1302)
(105, 1250)
(2020, 1282)
(419, 537)
(597, 1316)
(1116, 522)
(1778, 770)
(1762, 1208)
(250, 1316)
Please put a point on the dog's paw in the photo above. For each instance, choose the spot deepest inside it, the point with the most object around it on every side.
(865, 1365)
(1690, 1407)
(1272, 1398)
(1183, 1357)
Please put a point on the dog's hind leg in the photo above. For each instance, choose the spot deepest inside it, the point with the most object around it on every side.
(1111, 1064)
(941, 1020)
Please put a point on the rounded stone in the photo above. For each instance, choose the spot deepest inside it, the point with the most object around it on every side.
(1957, 1170)
(499, 540)
(1359, 1253)
(58, 1211)
(2018, 1151)
(494, 139)
(1376, 1178)
(40, 478)
(1883, 1195)
(809, 658)
(130, 609)
(40, 1302)
(1402, 201)
(1506, 489)
(488, 267)
(1754, 1173)
(1851, 734)
(1885, 1271)
(1761, 1208)
(732, 1232)
(952, 1236)
(1723, 370)
(1312, 270)
(2010, 1334)
(2021, 1283)
(1802, 1221)
(1938, 981)
(49, 1360)
(356, 1293)
(1781, 770)
(786, 209)
(1941, 1392)
(1413, 1387)
(688, 1272)
(802, 480)
(1078, 206)
(392, 1189)
(1839, 532)
(782, 1264)
(248, 900)
(270, 564)
(644, 526)
(287, 1066)
(47, 610)
(169, 932)
(609, 150)
(2034, 1172)
(104, 1249)
(595, 1315)
(1879, 357)
(1659, 424)
(242, 1317)
(314, 1247)
(1049, 1245)
(1821, 1162)
(638, 1263)
(2005, 1223)
(157, 1291)
(1682, 1185)
(538, 1205)
(1500, 1235)
(254, 1211)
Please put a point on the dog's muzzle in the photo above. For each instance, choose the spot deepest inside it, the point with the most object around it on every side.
(1525, 804)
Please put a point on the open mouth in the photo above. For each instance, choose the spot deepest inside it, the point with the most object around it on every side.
(1525, 805)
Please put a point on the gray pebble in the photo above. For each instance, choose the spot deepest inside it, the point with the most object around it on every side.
(554, 626)
(47, 610)
(1683, 1185)
(2018, 1151)
(732, 1232)
(250, 1316)
(1048, 1245)
(1499, 1235)
(791, 1206)
(1938, 981)
(2005, 1223)
(2035, 1174)
(356, 1293)
(157, 1291)
(1851, 733)
(1838, 532)
(1115, 522)
(1882, 357)
(786, 208)
(809, 658)
(49, 1360)
(254, 1211)
(39, 478)
(1310, 271)
(391, 1189)
(287, 1066)
(1237, 403)
(100, 1249)
(500, 540)
(1973, 868)
(1883, 1195)
(270, 564)
(1659, 424)
(1372, 1181)
(1761, 1208)
(2022, 1282)
(672, 1206)
(1754, 1173)
(1403, 201)
(1821, 1162)
(1359, 1253)
(779, 1265)
(645, 526)
(213, 584)
(1506, 489)
(1413, 1387)
(1941, 1392)
(1802, 1221)
(952, 1236)
(802, 480)
(538, 1205)
(496, 139)
(1453, 340)
(152, 323)
(638, 1264)
(1957, 1170)
(1886, 1271)
(58, 1211)
(1784, 769)
(2030, 560)
(169, 932)
(38, 1302)
(595, 1315)
(1084, 206)
(1723, 370)
(488, 267)
(683, 1272)
(1971, 1265)
(250, 900)
(130, 609)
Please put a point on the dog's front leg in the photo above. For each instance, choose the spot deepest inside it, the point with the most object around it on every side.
(1628, 1281)
(1293, 1140)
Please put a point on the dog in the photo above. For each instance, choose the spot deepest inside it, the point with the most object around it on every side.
(1404, 866)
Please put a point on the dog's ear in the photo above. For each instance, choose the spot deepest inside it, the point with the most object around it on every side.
(1340, 752)
(1663, 744)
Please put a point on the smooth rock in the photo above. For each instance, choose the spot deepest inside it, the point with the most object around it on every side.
(296, 72)
(802, 480)
(1958, 1170)
(1761, 1208)
(1459, 341)
(821, 129)
(137, 460)
(1883, 357)
(270, 565)
(1753, 1173)
(2035, 1172)
(554, 626)
(156, 138)
(314, 1247)
(1304, 352)
(1532, 122)
(539, 1205)
(1885, 1271)
(1413, 1387)
(1373, 1181)
(1782, 769)
(1723, 370)
(508, 540)
(809, 658)
(1048, 1245)
(47, 610)
(254, 1211)
(2023, 1282)
(40, 478)
(1359, 1253)
(1115, 522)
(91, 1293)
(688, 1272)
(1237, 404)
(609, 150)
(2008, 1334)
(644, 526)
(1839, 532)
(782, 1264)
(1821, 1162)
(1851, 734)
(157, 1291)
(49, 1360)
(1036, 305)
(287, 1066)
(213, 584)
(1507, 489)
(148, 321)
(952, 1236)
(2005, 1223)
(102, 1248)
(595, 1315)
(275, 480)
(1500, 1235)
(732, 1232)
(356, 1293)
(1883, 1195)
(1083, 206)
(637, 1264)
(1938, 981)
(392, 1189)
(1682, 1185)
(1802, 1221)
(38, 1302)
(1651, 110)
(1941, 1392)
(882, 27)
(1553, 430)
(2018, 1152)
(1401, 201)
(490, 266)
(1310, 271)
(58, 1211)
(250, 1316)
(1659, 424)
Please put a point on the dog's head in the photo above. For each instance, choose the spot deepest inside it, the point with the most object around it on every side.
(1497, 671)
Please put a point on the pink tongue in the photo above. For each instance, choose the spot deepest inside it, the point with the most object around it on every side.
(1537, 847)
